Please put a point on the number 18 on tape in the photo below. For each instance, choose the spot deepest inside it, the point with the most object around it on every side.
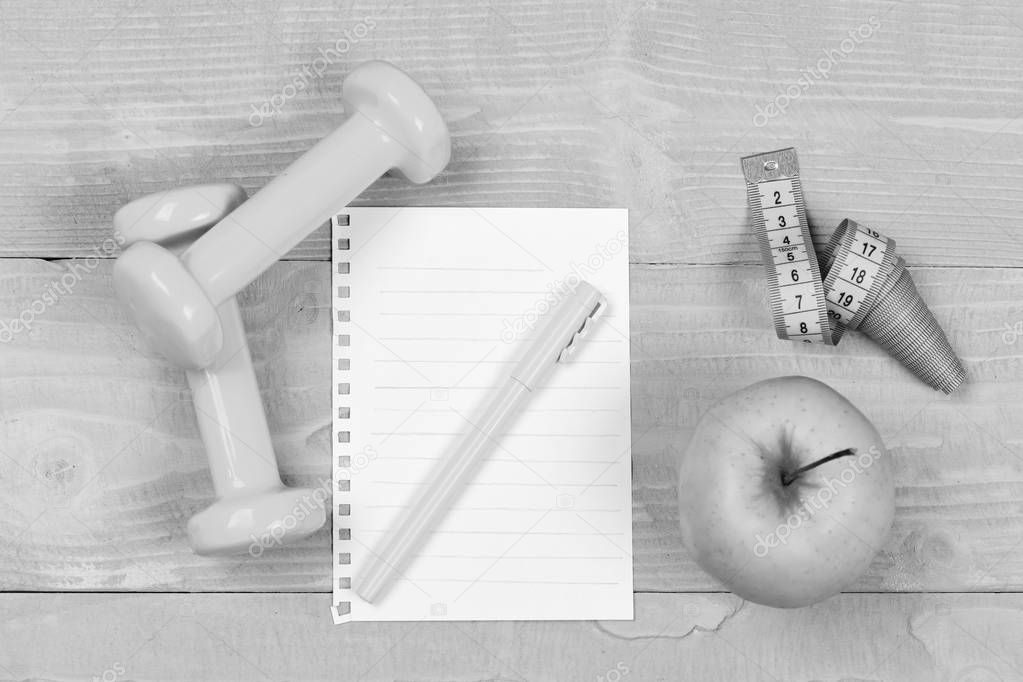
(861, 283)
(795, 286)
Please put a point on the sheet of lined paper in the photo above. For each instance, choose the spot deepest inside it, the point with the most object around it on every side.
(436, 304)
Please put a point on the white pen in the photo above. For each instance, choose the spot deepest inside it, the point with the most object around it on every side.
(557, 338)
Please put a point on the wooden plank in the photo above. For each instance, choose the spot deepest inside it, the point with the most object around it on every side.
(953, 637)
(102, 465)
(913, 130)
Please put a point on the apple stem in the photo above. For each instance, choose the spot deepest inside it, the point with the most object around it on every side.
(788, 478)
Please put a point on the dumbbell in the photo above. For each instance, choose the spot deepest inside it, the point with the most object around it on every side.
(392, 125)
(254, 508)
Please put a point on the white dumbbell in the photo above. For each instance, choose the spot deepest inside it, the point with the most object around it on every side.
(392, 125)
(254, 508)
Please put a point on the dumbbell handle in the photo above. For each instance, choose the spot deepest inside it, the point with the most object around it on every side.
(320, 183)
(231, 417)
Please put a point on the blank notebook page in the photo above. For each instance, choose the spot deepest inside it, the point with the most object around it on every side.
(431, 308)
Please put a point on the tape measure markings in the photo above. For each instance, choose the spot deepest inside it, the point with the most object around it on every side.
(860, 281)
(866, 260)
(801, 291)
(795, 285)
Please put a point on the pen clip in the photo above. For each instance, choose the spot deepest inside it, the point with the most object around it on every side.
(583, 330)
(560, 332)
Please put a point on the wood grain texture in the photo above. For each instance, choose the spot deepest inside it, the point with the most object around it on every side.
(909, 638)
(914, 129)
(102, 461)
(103, 465)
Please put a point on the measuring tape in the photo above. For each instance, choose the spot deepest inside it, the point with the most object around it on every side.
(865, 260)
(796, 289)
(861, 282)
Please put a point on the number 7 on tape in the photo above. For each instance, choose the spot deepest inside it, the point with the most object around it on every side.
(795, 287)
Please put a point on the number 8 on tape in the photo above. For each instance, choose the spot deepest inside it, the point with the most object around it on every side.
(795, 287)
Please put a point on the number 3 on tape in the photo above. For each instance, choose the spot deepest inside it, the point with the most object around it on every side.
(795, 287)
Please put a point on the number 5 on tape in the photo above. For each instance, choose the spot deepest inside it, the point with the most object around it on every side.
(795, 287)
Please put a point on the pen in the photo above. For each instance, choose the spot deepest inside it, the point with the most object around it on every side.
(558, 336)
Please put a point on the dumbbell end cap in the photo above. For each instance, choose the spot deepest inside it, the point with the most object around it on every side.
(399, 107)
(176, 217)
(257, 523)
(168, 305)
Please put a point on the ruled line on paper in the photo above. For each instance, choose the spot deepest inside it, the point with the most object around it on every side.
(516, 484)
(455, 268)
(491, 387)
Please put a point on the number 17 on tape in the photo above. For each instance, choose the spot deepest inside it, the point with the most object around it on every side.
(795, 287)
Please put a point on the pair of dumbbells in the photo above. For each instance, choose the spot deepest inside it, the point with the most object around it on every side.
(191, 250)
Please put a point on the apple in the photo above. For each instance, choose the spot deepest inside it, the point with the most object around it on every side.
(785, 492)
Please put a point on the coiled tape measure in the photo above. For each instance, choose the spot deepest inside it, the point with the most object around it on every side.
(810, 303)
(860, 283)
(864, 259)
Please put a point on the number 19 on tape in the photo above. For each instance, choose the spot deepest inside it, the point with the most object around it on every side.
(795, 287)
(861, 282)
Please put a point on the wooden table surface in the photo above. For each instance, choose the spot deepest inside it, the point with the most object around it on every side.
(915, 129)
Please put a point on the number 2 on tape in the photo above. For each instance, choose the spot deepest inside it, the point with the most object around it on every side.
(795, 287)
